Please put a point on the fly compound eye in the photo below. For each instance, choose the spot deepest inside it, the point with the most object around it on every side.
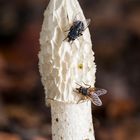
(80, 89)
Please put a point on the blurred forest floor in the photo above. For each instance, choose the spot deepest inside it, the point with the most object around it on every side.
(115, 31)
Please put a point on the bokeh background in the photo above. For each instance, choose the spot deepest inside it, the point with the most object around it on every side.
(115, 30)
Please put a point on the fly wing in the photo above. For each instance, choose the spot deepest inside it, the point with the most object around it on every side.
(100, 91)
(86, 23)
(95, 99)
(80, 17)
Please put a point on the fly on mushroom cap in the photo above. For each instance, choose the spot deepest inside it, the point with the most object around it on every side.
(91, 93)
(60, 64)
(77, 28)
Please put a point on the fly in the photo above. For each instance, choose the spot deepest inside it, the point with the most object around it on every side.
(91, 93)
(77, 29)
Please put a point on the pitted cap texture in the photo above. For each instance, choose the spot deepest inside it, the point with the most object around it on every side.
(63, 64)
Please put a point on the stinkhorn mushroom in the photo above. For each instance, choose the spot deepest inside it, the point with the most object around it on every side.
(63, 64)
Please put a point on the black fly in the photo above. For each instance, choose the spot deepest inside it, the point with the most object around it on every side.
(77, 28)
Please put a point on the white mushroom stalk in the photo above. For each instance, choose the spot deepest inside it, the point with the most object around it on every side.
(63, 64)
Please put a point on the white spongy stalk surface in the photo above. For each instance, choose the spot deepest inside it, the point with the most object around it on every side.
(72, 121)
(60, 60)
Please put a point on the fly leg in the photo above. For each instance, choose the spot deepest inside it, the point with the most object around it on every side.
(87, 85)
(77, 93)
(71, 42)
(78, 84)
(65, 38)
(80, 34)
(67, 30)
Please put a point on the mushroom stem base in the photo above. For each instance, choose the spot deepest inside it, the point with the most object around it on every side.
(72, 121)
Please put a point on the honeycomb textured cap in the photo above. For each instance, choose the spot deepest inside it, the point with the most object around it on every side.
(63, 64)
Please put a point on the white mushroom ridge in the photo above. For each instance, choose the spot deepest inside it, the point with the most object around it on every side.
(59, 60)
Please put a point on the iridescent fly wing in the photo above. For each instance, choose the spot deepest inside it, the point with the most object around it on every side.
(80, 17)
(100, 91)
(95, 99)
(86, 23)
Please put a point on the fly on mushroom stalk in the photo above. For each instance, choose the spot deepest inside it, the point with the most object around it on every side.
(91, 93)
(77, 28)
